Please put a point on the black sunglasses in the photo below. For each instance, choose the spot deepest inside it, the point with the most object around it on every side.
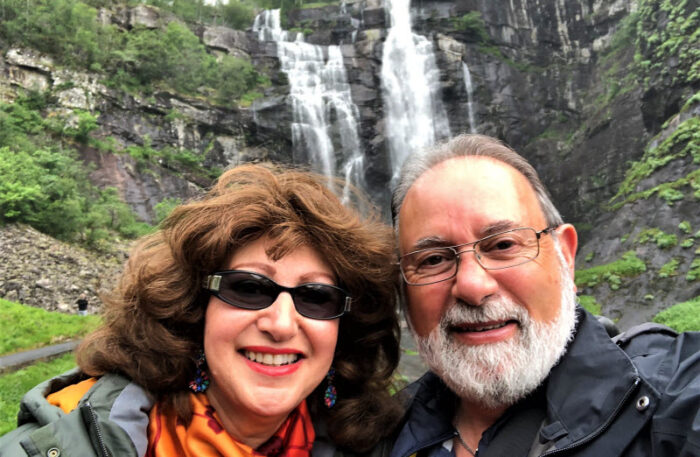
(248, 290)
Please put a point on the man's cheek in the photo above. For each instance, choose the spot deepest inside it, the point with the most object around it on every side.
(425, 310)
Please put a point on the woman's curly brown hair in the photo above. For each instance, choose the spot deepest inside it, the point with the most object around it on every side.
(154, 319)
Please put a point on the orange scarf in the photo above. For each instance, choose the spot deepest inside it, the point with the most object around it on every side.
(206, 437)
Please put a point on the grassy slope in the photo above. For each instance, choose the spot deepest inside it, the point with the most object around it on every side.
(24, 327)
(14, 385)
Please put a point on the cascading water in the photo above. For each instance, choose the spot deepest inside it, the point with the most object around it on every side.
(470, 90)
(415, 115)
(318, 90)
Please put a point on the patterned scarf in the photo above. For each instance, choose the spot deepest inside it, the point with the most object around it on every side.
(206, 437)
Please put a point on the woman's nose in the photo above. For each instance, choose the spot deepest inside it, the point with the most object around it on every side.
(280, 319)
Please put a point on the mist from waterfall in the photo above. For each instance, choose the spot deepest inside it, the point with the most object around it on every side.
(319, 92)
(470, 90)
(415, 115)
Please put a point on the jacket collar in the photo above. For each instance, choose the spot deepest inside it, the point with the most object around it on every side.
(431, 406)
(588, 386)
(574, 409)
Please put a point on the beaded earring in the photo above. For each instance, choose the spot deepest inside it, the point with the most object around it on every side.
(331, 395)
(200, 383)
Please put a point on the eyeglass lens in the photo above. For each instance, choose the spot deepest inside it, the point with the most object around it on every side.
(498, 251)
(253, 291)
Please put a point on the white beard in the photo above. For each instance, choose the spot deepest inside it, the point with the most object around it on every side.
(499, 374)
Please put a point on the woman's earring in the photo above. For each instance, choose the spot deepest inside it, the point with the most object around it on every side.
(200, 383)
(331, 394)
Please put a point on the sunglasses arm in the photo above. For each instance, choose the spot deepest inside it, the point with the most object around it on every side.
(212, 283)
(348, 301)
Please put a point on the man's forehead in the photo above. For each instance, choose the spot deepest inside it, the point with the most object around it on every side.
(484, 193)
(473, 174)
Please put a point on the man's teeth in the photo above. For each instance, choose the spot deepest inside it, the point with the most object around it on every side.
(275, 360)
(485, 328)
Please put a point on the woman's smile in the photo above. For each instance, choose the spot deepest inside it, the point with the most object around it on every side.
(271, 359)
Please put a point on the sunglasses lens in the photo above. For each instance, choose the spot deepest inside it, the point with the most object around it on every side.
(319, 301)
(247, 290)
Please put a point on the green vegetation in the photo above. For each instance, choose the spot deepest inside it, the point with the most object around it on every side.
(676, 38)
(139, 60)
(670, 268)
(694, 271)
(684, 141)
(42, 180)
(14, 385)
(662, 239)
(628, 266)
(45, 185)
(175, 159)
(687, 243)
(175, 58)
(164, 208)
(589, 303)
(472, 25)
(25, 327)
(682, 317)
(234, 14)
(685, 227)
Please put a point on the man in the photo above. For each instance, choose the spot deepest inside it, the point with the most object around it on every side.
(516, 368)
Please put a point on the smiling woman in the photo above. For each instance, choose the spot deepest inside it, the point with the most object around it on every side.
(258, 320)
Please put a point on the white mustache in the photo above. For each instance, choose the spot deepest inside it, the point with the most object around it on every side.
(493, 309)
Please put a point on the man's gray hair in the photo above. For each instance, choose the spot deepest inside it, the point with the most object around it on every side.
(464, 146)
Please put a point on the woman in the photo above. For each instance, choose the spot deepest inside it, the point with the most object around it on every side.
(259, 320)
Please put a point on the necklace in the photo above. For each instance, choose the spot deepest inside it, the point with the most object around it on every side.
(465, 445)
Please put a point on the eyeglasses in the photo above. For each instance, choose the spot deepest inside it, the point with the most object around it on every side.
(495, 252)
(248, 290)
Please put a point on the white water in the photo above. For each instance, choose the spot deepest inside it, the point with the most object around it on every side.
(415, 115)
(318, 90)
(470, 90)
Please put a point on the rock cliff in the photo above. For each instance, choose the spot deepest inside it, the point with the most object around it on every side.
(582, 89)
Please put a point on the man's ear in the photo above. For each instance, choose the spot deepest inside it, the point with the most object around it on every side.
(568, 241)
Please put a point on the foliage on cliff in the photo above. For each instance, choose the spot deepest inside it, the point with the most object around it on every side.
(138, 59)
(45, 185)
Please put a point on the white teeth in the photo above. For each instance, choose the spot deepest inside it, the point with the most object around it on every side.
(490, 327)
(275, 360)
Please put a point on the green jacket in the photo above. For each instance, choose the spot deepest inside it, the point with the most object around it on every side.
(110, 420)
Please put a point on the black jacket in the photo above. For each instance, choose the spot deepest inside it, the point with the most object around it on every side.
(636, 396)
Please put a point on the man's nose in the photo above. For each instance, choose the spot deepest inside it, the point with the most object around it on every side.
(280, 320)
(472, 283)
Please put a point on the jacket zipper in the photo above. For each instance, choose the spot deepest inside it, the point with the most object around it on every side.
(98, 431)
(604, 427)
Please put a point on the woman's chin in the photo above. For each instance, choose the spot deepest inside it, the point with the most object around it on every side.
(265, 402)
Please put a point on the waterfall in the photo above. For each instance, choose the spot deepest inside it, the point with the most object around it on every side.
(470, 105)
(415, 115)
(319, 91)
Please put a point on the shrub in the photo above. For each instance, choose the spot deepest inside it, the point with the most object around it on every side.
(589, 303)
(670, 268)
(45, 185)
(165, 207)
(472, 25)
(694, 271)
(628, 266)
(682, 317)
(663, 240)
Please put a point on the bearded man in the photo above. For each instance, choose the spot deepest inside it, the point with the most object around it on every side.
(516, 367)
